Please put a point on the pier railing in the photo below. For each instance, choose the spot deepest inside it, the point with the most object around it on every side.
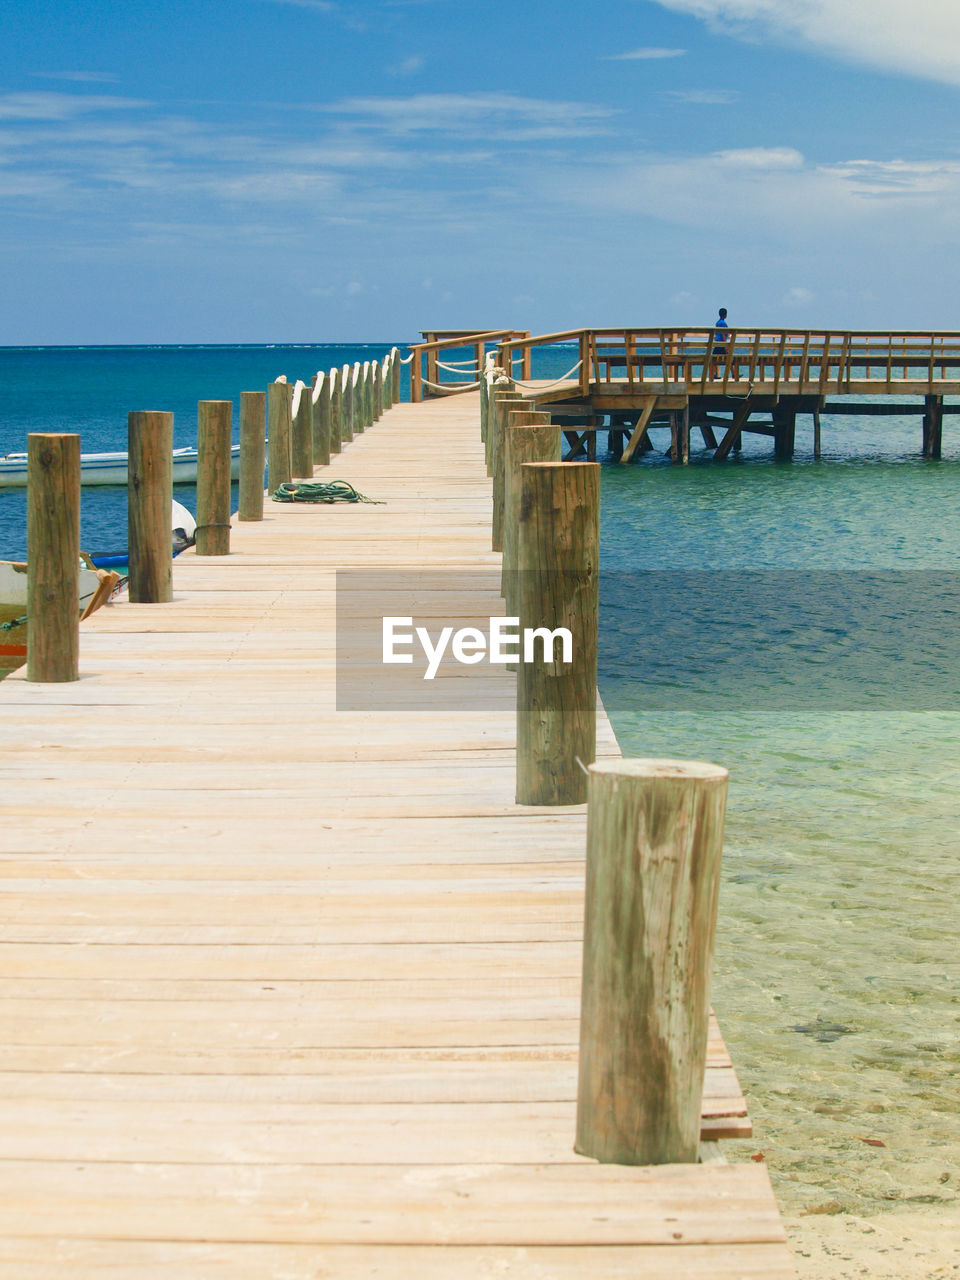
(427, 367)
(720, 360)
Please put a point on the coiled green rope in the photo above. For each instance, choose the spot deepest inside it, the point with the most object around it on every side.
(319, 491)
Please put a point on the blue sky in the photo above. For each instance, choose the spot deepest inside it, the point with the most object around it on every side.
(304, 170)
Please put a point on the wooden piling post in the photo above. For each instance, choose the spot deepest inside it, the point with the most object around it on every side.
(53, 557)
(528, 437)
(356, 398)
(932, 426)
(346, 402)
(336, 443)
(149, 496)
(253, 431)
(386, 382)
(557, 586)
(279, 431)
(377, 371)
(395, 375)
(301, 460)
(785, 428)
(321, 421)
(214, 434)
(654, 842)
(503, 402)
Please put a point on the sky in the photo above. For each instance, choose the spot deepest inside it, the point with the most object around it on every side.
(329, 170)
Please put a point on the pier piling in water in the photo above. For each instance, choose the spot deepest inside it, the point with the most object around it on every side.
(214, 432)
(654, 842)
(149, 498)
(53, 557)
(557, 562)
(253, 426)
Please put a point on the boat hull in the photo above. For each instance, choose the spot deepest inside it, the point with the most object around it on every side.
(111, 468)
(13, 605)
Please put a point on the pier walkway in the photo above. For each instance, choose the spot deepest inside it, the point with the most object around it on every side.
(289, 993)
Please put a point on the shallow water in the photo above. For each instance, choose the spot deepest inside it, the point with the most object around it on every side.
(836, 977)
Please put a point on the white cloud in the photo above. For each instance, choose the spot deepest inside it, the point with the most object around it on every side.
(321, 6)
(409, 66)
(76, 77)
(775, 193)
(921, 38)
(474, 114)
(60, 106)
(798, 296)
(647, 53)
(704, 97)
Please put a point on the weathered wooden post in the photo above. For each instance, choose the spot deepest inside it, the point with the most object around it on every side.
(301, 460)
(528, 437)
(395, 375)
(214, 433)
(501, 387)
(654, 842)
(346, 388)
(503, 402)
(53, 557)
(279, 431)
(149, 495)
(253, 430)
(377, 371)
(386, 382)
(557, 587)
(484, 405)
(368, 418)
(336, 443)
(321, 421)
(416, 378)
(356, 398)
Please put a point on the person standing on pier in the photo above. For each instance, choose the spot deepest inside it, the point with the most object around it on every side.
(721, 336)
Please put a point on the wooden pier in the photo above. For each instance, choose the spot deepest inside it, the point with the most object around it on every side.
(294, 993)
(729, 384)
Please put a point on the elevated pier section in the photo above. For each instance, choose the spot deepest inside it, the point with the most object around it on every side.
(294, 993)
(727, 383)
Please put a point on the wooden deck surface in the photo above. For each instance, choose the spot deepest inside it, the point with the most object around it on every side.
(289, 993)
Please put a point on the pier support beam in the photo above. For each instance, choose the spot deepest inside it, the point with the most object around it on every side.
(932, 426)
(528, 437)
(149, 495)
(784, 431)
(654, 841)
(53, 557)
(214, 433)
(280, 431)
(557, 587)
(253, 431)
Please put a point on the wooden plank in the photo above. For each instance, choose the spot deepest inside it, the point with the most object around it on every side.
(30, 1259)
(403, 1204)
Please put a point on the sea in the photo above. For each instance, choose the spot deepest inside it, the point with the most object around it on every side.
(796, 622)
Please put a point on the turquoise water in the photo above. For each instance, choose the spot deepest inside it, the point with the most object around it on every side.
(812, 609)
(91, 390)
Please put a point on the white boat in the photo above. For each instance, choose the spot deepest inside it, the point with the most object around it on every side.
(111, 468)
(97, 580)
(95, 588)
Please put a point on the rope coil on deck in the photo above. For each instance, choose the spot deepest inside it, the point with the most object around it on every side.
(321, 491)
(13, 623)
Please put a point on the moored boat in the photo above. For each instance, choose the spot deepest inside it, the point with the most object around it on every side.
(111, 468)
